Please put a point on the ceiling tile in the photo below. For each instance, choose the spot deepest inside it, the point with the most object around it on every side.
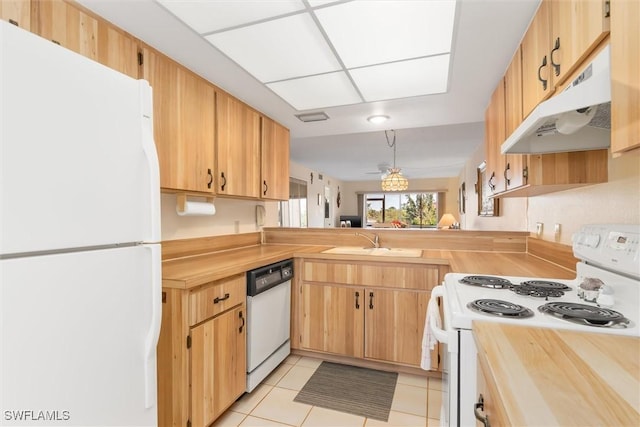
(211, 15)
(279, 49)
(403, 79)
(326, 90)
(371, 32)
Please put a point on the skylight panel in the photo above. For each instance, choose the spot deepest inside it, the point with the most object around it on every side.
(326, 90)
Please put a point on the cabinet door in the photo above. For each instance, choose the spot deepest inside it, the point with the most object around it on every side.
(625, 69)
(238, 148)
(494, 137)
(394, 325)
(76, 29)
(183, 123)
(537, 81)
(275, 160)
(218, 365)
(577, 27)
(17, 12)
(514, 163)
(333, 319)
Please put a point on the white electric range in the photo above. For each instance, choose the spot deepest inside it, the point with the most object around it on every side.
(610, 258)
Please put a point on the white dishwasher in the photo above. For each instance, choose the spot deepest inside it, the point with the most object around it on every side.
(268, 319)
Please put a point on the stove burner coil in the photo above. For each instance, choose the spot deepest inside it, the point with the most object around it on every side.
(499, 308)
(486, 281)
(545, 284)
(535, 291)
(585, 314)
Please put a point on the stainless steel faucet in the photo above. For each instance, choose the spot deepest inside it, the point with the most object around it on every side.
(375, 242)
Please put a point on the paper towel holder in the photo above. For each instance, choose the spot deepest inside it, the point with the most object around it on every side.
(182, 201)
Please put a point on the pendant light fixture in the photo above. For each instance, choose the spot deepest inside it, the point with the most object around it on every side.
(393, 181)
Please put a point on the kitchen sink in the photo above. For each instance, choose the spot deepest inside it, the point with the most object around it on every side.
(355, 250)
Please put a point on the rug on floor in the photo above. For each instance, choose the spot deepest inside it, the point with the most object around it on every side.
(358, 391)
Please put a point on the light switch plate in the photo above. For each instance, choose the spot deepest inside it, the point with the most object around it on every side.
(539, 227)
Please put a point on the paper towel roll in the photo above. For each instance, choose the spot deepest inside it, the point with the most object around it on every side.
(197, 208)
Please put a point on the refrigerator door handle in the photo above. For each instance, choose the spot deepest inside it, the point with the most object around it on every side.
(153, 334)
(151, 156)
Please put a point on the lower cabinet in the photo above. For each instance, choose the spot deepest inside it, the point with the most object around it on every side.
(201, 352)
(382, 319)
(218, 361)
(488, 410)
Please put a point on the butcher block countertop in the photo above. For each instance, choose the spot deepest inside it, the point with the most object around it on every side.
(192, 271)
(546, 377)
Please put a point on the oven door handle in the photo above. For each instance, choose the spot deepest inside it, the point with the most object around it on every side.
(434, 315)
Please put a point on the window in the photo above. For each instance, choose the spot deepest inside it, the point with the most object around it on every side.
(293, 213)
(414, 210)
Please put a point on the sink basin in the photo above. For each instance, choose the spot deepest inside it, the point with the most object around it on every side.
(355, 250)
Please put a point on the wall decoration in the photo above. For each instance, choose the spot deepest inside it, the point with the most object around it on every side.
(338, 201)
(311, 177)
(486, 206)
(461, 198)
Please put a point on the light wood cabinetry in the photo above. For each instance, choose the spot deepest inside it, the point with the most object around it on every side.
(515, 164)
(487, 405)
(577, 27)
(18, 12)
(364, 310)
(73, 27)
(275, 160)
(183, 109)
(238, 148)
(625, 69)
(201, 351)
(494, 137)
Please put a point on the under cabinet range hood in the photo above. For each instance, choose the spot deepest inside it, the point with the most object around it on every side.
(577, 119)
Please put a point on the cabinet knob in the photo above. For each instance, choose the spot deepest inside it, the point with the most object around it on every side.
(210, 174)
(218, 299)
(544, 64)
(506, 178)
(266, 187)
(357, 300)
(556, 66)
(241, 317)
(490, 182)
(224, 181)
(371, 300)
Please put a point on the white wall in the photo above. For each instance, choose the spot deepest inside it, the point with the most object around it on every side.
(316, 211)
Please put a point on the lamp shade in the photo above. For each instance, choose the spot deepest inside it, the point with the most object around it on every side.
(446, 221)
(394, 181)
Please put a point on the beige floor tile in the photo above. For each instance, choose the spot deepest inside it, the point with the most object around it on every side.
(434, 402)
(296, 378)
(279, 406)
(260, 422)
(229, 419)
(309, 362)
(433, 423)
(291, 359)
(277, 374)
(435, 383)
(250, 400)
(414, 380)
(398, 419)
(410, 400)
(321, 417)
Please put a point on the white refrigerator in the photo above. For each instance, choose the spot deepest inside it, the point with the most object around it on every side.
(80, 268)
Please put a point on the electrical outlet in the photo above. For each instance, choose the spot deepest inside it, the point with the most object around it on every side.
(556, 230)
(539, 227)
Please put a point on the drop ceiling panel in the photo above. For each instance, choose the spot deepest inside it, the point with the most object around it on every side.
(278, 49)
(320, 91)
(403, 79)
(207, 16)
(373, 32)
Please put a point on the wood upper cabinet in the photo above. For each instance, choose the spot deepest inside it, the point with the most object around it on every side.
(394, 325)
(75, 28)
(625, 69)
(218, 365)
(238, 148)
(18, 12)
(577, 27)
(275, 160)
(494, 137)
(515, 164)
(184, 114)
(537, 79)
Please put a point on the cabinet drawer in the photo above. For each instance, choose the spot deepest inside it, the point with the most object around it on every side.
(217, 297)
